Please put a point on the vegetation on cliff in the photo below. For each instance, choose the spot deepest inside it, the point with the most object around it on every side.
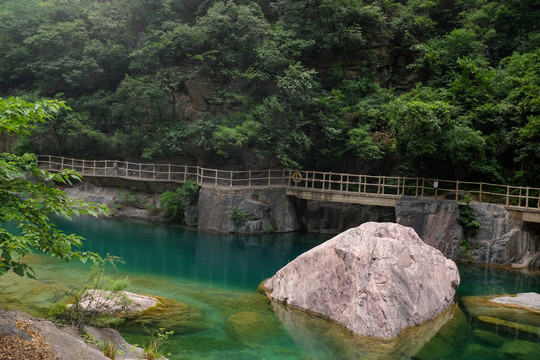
(446, 88)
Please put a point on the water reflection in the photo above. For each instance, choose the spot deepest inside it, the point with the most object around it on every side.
(221, 260)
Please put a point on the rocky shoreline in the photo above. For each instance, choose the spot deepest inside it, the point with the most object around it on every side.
(32, 338)
(500, 239)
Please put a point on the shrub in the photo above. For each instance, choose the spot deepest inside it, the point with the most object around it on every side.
(174, 203)
(129, 198)
(76, 314)
(152, 348)
(237, 215)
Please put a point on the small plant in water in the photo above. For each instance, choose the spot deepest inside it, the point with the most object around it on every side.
(157, 339)
(77, 313)
(110, 349)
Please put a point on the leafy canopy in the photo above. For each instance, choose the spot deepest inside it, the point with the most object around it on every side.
(27, 200)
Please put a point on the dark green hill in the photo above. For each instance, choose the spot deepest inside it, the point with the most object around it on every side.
(440, 88)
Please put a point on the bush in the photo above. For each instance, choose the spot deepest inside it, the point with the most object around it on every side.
(129, 198)
(237, 215)
(174, 203)
(76, 314)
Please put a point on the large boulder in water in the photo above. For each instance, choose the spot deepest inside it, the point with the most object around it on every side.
(376, 280)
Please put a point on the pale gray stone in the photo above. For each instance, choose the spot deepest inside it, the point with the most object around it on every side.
(376, 280)
(66, 341)
(103, 301)
(528, 300)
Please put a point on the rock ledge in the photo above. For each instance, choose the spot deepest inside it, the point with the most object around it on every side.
(528, 300)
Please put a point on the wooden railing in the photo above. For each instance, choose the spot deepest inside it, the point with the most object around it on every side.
(167, 172)
(383, 186)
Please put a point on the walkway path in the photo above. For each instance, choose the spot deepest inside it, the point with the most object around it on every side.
(523, 202)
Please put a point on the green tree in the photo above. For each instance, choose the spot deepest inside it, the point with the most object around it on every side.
(27, 200)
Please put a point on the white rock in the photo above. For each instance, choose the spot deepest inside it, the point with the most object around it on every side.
(98, 301)
(376, 280)
(529, 300)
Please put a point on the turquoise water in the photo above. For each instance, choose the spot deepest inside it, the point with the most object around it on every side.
(221, 316)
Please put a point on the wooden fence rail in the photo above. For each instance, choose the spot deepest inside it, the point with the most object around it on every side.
(518, 197)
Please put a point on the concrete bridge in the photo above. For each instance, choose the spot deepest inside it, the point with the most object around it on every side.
(522, 202)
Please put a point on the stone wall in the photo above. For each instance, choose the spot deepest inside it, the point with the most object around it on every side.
(266, 210)
(500, 239)
(435, 221)
(334, 218)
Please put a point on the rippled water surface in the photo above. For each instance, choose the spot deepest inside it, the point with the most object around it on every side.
(219, 315)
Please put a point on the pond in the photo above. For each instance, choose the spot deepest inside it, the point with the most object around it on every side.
(215, 278)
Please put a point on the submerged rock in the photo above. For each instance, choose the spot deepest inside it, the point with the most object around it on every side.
(511, 316)
(519, 350)
(527, 300)
(376, 280)
(248, 326)
(339, 344)
(488, 337)
(169, 314)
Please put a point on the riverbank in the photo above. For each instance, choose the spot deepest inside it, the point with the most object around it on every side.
(499, 238)
(216, 275)
(23, 336)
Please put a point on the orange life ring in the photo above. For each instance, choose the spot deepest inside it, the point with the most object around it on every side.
(297, 177)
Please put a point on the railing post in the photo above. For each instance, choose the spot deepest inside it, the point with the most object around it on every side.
(94, 172)
(365, 184)
(215, 178)
(379, 186)
(527, 197)
(140, 170)
(153, 171)
(169, 173)
(340, 182)
(508, 195)
(423, 186)
(416, 190)
(249, 178)
(269, 178)
(383, 183)
(480, 194)
(185, 173)
(457, 190)
(289, 179)
(231, 182)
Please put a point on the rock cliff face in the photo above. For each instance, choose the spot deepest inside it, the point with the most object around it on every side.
(500, 239)
(334, 218)
(133, 205)
(435, 221)
(265, 210)
(376, 280)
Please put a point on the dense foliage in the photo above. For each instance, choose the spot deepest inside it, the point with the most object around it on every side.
(27, 200)
(445, 88)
